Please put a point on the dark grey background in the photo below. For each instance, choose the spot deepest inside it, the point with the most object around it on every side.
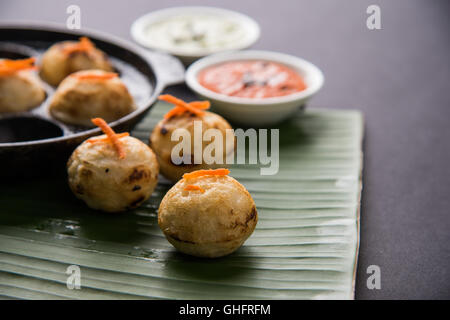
(399, 77)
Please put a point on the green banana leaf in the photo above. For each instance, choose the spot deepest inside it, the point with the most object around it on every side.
(304, 247)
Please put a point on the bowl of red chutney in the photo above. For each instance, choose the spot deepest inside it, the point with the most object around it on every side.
(254, 88)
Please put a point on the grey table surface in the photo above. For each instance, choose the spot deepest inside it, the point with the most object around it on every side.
(399, 77)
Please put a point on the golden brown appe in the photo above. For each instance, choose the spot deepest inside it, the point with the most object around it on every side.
(212, 223)
(77, 100)
(20, 91)
(102, 180)
(160, 142)
(57, 63)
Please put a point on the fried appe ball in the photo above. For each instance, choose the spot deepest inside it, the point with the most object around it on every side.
(207, 216)
(64, 58)
(20, 89)
(161, 143)
(105, 182)
(88, 94)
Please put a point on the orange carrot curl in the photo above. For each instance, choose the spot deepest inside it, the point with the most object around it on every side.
(8, 66)
(191, 187)
(96, 76)
(181, 106)
(111, 136)
(84, 45)
(118, 135)
(210, 172)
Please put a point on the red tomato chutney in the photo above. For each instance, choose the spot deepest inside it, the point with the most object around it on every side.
(251, 79)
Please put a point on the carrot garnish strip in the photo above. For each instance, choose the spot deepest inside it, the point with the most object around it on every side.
(96, 76)
(112, 136)
(118, 135)
(174, 112)
(191, 187)
(8, 66)
(210, 172)
(181, 106)
(83, 45)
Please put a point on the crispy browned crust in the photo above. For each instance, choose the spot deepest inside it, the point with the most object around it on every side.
(77, 101)
(102, 180)
(20, 91)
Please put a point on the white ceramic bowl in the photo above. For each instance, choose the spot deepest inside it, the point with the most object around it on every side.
(250, 27)
(250, 111)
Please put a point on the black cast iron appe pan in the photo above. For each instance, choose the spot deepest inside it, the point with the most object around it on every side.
(33, 142)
